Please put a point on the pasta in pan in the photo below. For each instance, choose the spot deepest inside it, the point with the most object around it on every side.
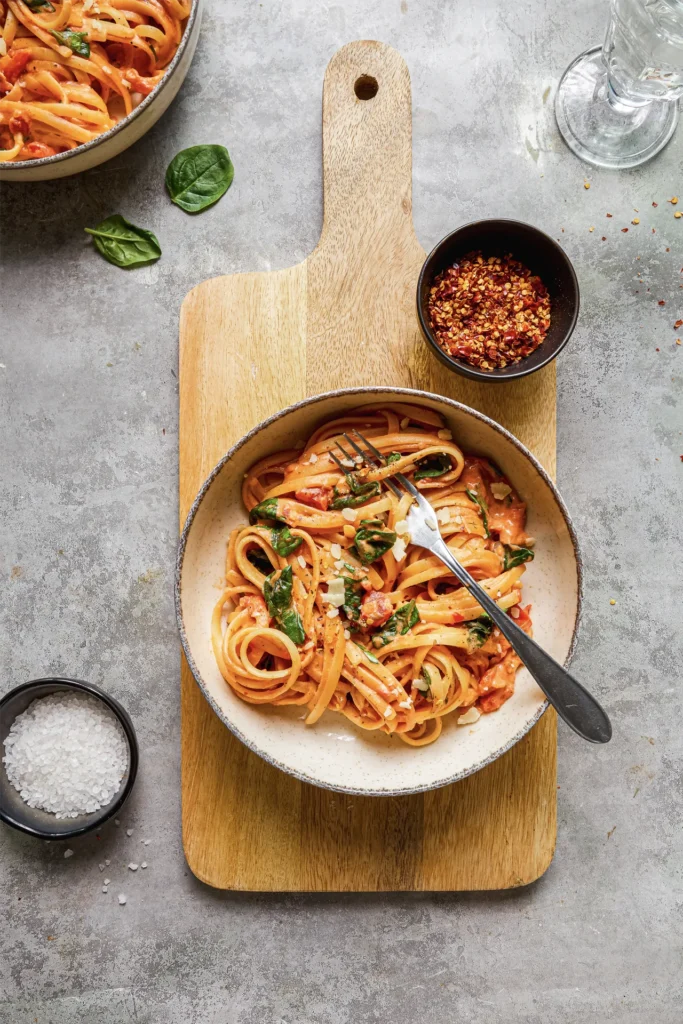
(327, 604)
(71, 69)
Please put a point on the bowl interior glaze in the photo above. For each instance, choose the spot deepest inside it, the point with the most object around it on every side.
(335, 754)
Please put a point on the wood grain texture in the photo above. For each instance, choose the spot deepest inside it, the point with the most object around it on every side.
(251, 344)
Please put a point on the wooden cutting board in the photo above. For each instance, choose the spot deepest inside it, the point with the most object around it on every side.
(251, 344)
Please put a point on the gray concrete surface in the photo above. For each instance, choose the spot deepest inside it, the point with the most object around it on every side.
(88, 414)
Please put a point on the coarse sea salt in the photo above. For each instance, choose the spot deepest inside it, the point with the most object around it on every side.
(66, 754)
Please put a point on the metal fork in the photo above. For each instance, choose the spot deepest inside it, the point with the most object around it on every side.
(570, 699)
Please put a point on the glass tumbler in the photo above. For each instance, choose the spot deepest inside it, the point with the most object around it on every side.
(617, 104)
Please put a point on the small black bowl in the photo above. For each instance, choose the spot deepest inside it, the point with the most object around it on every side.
(13, 810)
(540, 254)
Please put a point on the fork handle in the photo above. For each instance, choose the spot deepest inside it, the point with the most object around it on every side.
(573, 703)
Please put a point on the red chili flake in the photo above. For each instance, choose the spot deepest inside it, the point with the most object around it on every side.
(667, 249)
(489, 311)
(679, 323)
(662, 302)
(624, 230)
(603, 239)
(681, 458)
(654, 232)
(656, 350)
(608, 215)
(655, 204)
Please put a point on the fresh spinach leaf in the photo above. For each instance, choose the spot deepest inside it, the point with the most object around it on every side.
(278, 597)
(516, 556)
(283, 541)
(371, 541)
(35, 5)
(267, 509)
(368, 655)
(353, 595)
(403, 619)
(426, 678)
(478, 631)
(360, 492)
(76, 41)
(197, 177)
(259, 559)
(124, 245)
(473, 496)
(433, 465)
(393, 457)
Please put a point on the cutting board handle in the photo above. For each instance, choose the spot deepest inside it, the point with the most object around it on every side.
(367, 147)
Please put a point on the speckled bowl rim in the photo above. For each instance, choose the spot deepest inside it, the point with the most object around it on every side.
(126, 723)
(415, 395)
(58, 158)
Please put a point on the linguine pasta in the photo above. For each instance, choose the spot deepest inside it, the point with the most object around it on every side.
(71, 69)
(328, 605)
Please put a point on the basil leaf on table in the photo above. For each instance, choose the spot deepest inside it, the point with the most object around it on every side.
(123, 244)
(76, 41)
(277, 593)
(197, 177)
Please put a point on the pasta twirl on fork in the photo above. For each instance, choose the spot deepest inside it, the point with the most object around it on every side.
(327, 603)
(70, 69)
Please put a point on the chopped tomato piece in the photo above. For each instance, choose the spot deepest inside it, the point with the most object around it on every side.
(457, 617)
(19, 124)
(14, 63)
(256, 606)
(508, 522)
(316, 497)
(501, 676)
(375, 609)
(494, 700)
(138, 83)
(35, 150)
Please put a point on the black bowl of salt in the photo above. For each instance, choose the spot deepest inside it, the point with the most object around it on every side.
(68, 757)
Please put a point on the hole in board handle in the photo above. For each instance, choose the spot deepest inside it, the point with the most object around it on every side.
(365, 87)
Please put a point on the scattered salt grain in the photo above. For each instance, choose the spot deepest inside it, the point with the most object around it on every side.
(132, 867)
(66, 754)
(350, 514)
(107, 881)
(146, 842)
(122, 899)
(104, 889)
(129, 831)
(144, 864)
(116, 821)
(101, 867)
(67, 853)
(107, 862)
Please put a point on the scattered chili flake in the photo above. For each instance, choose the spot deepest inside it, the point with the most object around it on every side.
(603, 239)
(655, 204)
(489, 311)
(608, 215)
(624, 230)
(662, 302)
(654, 232)
(679, 323)
(656, 350)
